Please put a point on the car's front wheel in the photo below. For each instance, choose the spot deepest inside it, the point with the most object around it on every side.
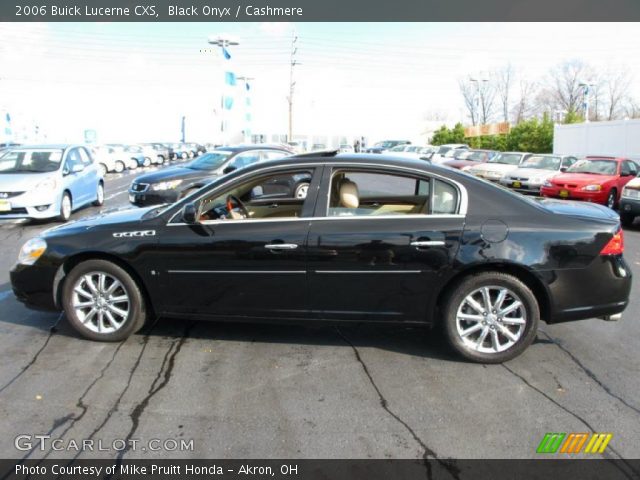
(146, 162)
(65, 207)
(119, 166)
(102, 302)
(626, 219)
(612, 198)
(99, 201)
(491, 317)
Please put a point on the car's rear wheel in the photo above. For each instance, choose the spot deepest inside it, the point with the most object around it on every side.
(99, 195)
(491, 317)
(146, 162)
(102, 302)
(65, 207)
(119, 166)
(612, 198)
(161, 160)
(626, 219)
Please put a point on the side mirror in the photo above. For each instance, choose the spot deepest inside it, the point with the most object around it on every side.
(625, 174)
(189, 213)
(229, 169)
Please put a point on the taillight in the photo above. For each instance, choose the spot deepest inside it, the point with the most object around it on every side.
(615, 246)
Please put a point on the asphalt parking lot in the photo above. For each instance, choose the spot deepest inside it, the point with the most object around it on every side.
(269, 391)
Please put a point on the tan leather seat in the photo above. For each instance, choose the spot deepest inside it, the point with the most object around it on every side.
(349, 197)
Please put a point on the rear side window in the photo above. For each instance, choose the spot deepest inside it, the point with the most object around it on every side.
(359, 193)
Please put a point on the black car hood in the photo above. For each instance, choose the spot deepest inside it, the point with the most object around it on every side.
(108, 218)
(174, 173)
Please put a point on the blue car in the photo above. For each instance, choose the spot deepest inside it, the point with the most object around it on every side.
(48, 181)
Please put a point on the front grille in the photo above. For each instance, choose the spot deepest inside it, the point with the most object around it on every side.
(140, 187)
(5, 195)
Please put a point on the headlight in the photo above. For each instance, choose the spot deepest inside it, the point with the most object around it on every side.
(630, 193)
(48, 184)
(592, 188)
(32, 251)
(548, 184)
(166, 185)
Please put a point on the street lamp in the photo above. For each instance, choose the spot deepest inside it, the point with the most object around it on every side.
(585, 102)
(223, 41)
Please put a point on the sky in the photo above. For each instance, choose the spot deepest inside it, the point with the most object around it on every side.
(132, 82)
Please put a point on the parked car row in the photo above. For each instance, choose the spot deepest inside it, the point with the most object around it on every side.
(597, 179)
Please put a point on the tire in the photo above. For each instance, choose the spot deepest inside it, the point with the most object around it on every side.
(134, 164)
(161, 160)
(487, 346)
(301, 190)
(99, 195)
(111, 321)
(612, 199)
(626, 219)
(120, 166)
(146, 162)
(184, 156)
(66, 207)
(102, 168)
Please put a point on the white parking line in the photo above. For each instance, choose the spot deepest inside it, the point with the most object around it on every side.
(120, 192)
(4, 295)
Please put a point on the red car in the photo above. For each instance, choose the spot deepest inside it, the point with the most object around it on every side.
(593, 179)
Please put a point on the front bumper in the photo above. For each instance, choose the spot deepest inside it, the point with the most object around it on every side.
(33, 285)
(522, 187)
(32, 205)
(630, 206)
(575, 194)
(151, 197)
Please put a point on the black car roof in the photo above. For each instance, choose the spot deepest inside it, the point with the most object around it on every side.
(242, 148)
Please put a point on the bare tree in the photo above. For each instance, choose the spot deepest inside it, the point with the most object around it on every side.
(469, 95)
(503, 78)
(563, 89)
(615, 86)
(525, 107)
(631, 108)
(479, 97)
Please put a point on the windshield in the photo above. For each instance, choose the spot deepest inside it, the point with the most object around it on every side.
(209, 161)
(443, 150)
(461, 154)
(399, 148)
(596, 167)
(543, 162)
(507, 158)
(478, 157)
(30, 161)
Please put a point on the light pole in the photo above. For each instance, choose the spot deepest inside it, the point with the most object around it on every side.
(292, 63)
(223, 42)
(476, 100)
(585, 102)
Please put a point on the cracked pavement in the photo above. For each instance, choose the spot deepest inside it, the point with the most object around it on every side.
(274, 391)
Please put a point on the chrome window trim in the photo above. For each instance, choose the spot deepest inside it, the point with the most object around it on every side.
(463, 201)
(270, 272)
(367, 271)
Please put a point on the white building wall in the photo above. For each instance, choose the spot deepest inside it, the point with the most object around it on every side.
(615, 138)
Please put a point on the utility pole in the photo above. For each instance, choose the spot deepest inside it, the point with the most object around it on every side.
(585, 103)
(292, 63)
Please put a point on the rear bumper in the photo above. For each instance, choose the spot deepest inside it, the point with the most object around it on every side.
(598, 291)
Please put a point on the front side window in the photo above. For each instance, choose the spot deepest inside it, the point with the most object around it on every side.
(360, 193)
(270, 196)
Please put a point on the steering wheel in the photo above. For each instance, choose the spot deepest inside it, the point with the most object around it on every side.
(231, 199)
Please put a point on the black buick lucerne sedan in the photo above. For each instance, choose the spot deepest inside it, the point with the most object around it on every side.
(170, 184)
(376, 239)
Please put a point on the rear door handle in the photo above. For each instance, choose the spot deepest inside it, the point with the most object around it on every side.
(428, 243)
(281, 246)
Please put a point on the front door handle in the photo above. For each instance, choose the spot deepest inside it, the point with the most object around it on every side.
(428, 243)
(281, 246)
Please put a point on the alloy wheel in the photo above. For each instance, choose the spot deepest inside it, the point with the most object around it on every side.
(101, 302)
(302, 191)
(491, 319)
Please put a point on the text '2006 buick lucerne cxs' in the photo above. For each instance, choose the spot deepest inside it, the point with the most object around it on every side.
(375, 239)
